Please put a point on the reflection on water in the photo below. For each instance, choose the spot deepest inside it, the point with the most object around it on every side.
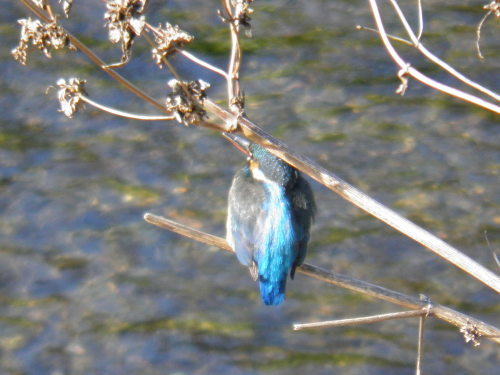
(86, 287)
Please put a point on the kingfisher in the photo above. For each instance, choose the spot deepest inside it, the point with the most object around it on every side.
(270, 211)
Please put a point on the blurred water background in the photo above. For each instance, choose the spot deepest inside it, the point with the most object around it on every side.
(87, 287)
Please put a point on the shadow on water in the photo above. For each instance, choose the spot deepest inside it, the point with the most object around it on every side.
(86, 287)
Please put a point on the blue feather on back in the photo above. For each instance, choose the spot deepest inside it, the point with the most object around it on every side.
(275, 252)
(269, 216)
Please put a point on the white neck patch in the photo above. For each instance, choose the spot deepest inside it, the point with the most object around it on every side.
(259, 175)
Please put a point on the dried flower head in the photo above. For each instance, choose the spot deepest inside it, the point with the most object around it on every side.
(168, 40)
(42, 36)
(403, 77)
(69, 95)
(471, 333)
(493, 7)
(185, 101)
(66, 6)
(41, 3)
(242, 12)
(125, 21)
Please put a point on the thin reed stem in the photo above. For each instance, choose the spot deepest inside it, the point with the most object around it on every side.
(363, 320)
(117, 112)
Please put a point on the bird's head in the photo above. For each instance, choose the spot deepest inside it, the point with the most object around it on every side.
(263, 165)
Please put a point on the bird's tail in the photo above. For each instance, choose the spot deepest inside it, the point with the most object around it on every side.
(272, 291)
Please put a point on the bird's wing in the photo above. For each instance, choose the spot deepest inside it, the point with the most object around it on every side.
(245, 208)
(304, 209)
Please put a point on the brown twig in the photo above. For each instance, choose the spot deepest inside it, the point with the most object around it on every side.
(363, 320)
(393, 37)
(233, 83)
(443, 313)
(119, 113)
(203, 63)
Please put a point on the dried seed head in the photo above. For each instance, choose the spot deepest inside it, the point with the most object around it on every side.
(241, 16)
(69, 95)
(40, 35)
(471, 333)
(66, 6)
(125, 21)
(168, 40)
(41, 3)
(185, 101)
(493, 7)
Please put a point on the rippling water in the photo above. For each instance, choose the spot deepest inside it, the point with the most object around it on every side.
(87, 287)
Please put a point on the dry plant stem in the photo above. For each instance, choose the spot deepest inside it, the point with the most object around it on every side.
(360, 199)
(362, 320)
(96, 60)
(171, 68)
(418, 45)
(202, 63)
(50, 13)
(167, 64)
(393, 37)
(187, 231)
(406, 69)
(189, 55)
(441, 312)
(420, 19)
(132, 116)
(420, 345)
(233, 87)
(478, 33)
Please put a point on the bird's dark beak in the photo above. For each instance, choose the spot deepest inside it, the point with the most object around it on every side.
(240, 143)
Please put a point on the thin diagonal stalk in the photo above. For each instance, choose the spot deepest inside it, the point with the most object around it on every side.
(362, 320)
(393, 37)
(202, 63)
(117, 112)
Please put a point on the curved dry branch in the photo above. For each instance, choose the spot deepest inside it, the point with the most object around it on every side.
(417, 43)
(119, 113)
(407, 69)
(441, 312)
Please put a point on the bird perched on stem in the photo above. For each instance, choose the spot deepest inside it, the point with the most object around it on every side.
(270, 210)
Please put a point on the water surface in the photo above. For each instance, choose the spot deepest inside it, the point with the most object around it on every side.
(87, 287)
